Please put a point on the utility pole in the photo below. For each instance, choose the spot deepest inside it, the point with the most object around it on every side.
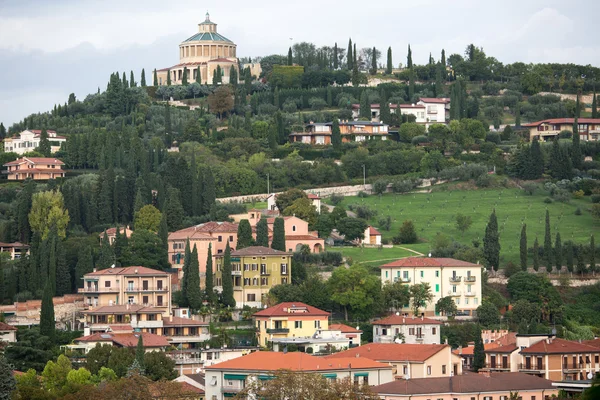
(364, 177)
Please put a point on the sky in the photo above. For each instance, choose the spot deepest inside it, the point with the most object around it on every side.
(49, 49)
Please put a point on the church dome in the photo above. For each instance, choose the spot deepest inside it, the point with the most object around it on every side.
(207, 36)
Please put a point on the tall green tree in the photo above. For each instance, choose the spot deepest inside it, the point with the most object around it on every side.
(184, 80)
(143, 79)
(558, 252)
(209, 192)
(106, 257)
(8, 384)
(140, 352)
(569, 251)
(356, 291)
(365, 107)
(576, 154)
(409, 62)
(85, 264)
(244, 233)
(163, 231)
(187, 259)
(290, 60)
(523, 247)
(262, 233)
(227, 294)
(63, 275)
(580, 268)
(2, 131)
(210, 284)
(194, 294)
(24, 203)
(174, 209)
(132, 82)
(548, 244)
(47, 322)
(389, 65)
(336, 136)
(335, 56)
(443, 59)
(491, 243)
(349, 57)
(198, 76)
(44, 146)
(593, 267)
(374, 62)
(518, 114)
(278, 242)
(169, 78)
(478, 354)
(155, 79)
(420, 295)
(536, 255)
(594, 105)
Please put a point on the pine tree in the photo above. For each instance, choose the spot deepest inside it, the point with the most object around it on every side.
(262, 233)
(523, 247)
(44, 146)
(47, 323)
(155, 79)
(580, 263)
(594, 106)
(290, 60)
(558, 252)
(132, 82)
(184, 80)
(194, 295)
(210, 284)
(491, 243)
(409, 63)
(85, 264)
(227, 294)
(365, 107)
(209, 191)
(143, 79)
(8, 384)
(518, 114)
(349, 57)
(140, 352)
(336, 136)
(278, 242)
(244, 234)
(592, 254)
(168, 77)
(335, 56)
(390, 65)
(478, 354)
(536, 255)
(569, 248)
(548, 244)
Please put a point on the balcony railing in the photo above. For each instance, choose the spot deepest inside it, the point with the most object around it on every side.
(402, 279)
(470, 278)
(470, 294)
(236, 273)
(455, 278)
(454, 294)
(278, 330)
(145, 289)
(531, 367)
(264, 272)
(576, 367)
(97, 290)
(497, 367)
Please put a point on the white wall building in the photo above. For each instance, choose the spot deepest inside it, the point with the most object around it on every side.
(406, 329)
(29, 140)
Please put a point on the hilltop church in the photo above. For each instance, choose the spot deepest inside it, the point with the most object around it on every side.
(202, 53)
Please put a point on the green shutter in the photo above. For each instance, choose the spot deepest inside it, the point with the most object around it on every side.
(437, 287)
(235, 377)
(330, 376)
(361, 374)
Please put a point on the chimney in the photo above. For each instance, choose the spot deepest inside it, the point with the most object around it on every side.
(459, 349)
(446, 341)
(170, 318)
(422, 317)
(94, 270)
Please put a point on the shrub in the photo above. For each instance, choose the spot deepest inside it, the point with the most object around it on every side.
(511, 269)
(562, 196)
(407, 233)
(380, 186)
(578, 194)
(484, 180)
(385, 223)
(578, 211)
(530, 188)
(362, 194)
(316, 103)
(547, 200)
(595, 198)
(402, 186)
(365, 212)
(336, 199)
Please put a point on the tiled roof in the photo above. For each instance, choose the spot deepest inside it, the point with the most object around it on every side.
(222, 60)
(393, 352)
(428, 262)
(343, 328)
(313, 196)
(444, 100)
(113, 231)
(373, 231)
(15, 244)
(509, 348)
(209, 227)
(567, 121)
(124, 309)
(6, 327)
(509, 338)
(295, 361)
(187, 388)
(126, 339)
(178, 321)
(199, 378)
(559, 346)
(39, 131)
(401, 320)
(470, 350)
(258, 251)
(466, 383)
(190, 234)
(207, 36)
(291, 309)
(36, 160)
(128, 271)
(593, 343)
(302, 237)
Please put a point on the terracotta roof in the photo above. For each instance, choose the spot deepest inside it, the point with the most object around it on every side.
(443, 100)
(6, 327)
(120, 327)
(297, 309)
(559, 346)
(509, 338)
(428, 262)
(126, 339)
(272, 220)
(113, 231)
(466, 383)
(186, 388)
(36, 160)
(178, 321)
(470, 350)
(313, 196)
(216, 227)
(192, 235)
(393, 352)
(568, 121)
(39, 131)
(23, 171)
(128, 271)
(258, 251)
(302, 237)
(15, 244)
(199, 378)
(401, 320)
(373, 231)
(593, 343)
(509, 348)
(343, 328)
(222, 60)
(124, 309)
(295, 361)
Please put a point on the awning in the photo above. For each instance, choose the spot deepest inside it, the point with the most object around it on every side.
(235, 377)
(361, 374)
(330, 376)
(266, 377)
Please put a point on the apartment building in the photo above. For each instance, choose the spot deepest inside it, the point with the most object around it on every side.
(458, 279)
(29, 140)
(8, 333)
(410, 361)
(36, 168)
(289, 320)
(254, 271)
(548, 129)
(350, 131)
(406, 329)
(128, 285)
(227, 379)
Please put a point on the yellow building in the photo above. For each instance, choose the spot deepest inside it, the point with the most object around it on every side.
(255, 270)
(289, 320)
(202, 53)
(129, 285)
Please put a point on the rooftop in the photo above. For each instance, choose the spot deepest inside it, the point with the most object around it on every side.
(559, 346)
(291, 308)
(6, 327)
(402, 320)
(373, 231)
(343, 328)
(36, 160)
(15, 244)
(568, 121)
(393, 352)
(441, 100)
(509, 348)
(128, 271)
(207, 36)
(124, 309)
(178, 321)
(428, 262)
(258, 251)
(126, 339)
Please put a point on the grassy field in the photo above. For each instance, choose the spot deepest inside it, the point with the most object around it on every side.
(372, 257)
(436, 212)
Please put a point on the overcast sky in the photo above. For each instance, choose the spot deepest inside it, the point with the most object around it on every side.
(49, 49)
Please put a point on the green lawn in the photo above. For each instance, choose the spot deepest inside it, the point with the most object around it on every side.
(436, 212)
(372, 256)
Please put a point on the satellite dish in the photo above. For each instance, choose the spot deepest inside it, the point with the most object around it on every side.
(590, 375)
(429, 254)
(112, 266)
(198, 370)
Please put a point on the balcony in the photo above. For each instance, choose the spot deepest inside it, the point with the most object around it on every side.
(470, 278)
(147, 324)
(403, 279)
(95, 289)
(420, 338)
(454, 294)
(455, 279)
(236, 273)
(131, 289)
(237, 288)
(189, 338)
(497, 367)
(264, 272)
(278, 330)
(532, 368)
(470, 294)
(573, 368)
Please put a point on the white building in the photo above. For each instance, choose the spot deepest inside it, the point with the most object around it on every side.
(426, 111)
(29, 140)
(458, 279)
(437, 110)
(406, 329)
(8, 333)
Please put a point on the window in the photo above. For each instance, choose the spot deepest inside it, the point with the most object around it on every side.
(422, 274)
(284, 270)
(106, 283)
(159, 301)
(130, 285)
(434, 331)
(458, 301)
(144, 285)
(453, 288)
(405, 274)
(231, 238)
(532, 397)
(467, 300)
(264, 281)
(437, 287)
(246, 281)
(444, 369)
(263, 269)
(251, 297)
(254, 267)
(411, 331)
(219, 238)
(437, 274)
(284, 281)
(386, 274)
(475, 301)
(293, 228)
(596, 359)
(159, 285)
(298, 324)
(405, 370)
(254, 281)
(145, 299)
(317, 324)
(429, 370)
(130, 300)
(246, 267)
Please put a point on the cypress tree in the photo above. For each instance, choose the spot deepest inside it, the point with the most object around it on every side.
(335, 56)
(233, 76)
(187, 258)
(390, 65)
(384, 112)
(349, 57)
(195, 183)
(536, 255)
(244, 233)
(132, 82)
(558, 252)
(577, 108)
(163, 231)
(336, 136)
(491, 243)
(184, 80)
(124, 81)
(278, 242)
(276, 97)
(107, 256)
(548, 244)
(85, 264)
(329, 96)
(569, 248)
(143, 79)
(198, 76)
(47, 323)
(194, 295)
(438, 81)
(355, 74)
(33, 267)
(536, 160)
(592, 254)
(365, 107)
(168, 77)
(227, 294)
(478, 354)
(409, 63)
(580, 263)
(411, 85)
(44, 146)
(63, 275)
(523, 247)
(3, 288)
(3, 130)
(209, 193)
(576, 147)
(290, 60)
(374, 62)
(518, 114)
(594, 105)
(52, 258)
(140, 352)
(210, 284)
(262, 233)
(155, 78)
(174, 209)
(443, 59)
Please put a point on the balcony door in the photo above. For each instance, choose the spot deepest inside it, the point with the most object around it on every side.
(145, 285)
(539, 363)
(504, 362)
(493, 361)
(527, 363)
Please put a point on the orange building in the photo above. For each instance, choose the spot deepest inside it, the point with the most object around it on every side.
(351, 131)
(36, 168)
(588, 128)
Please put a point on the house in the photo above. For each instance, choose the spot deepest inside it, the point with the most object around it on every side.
(547, 129)
(15, 250)
(426, 111)
(227, 379)
(491, 386)
(112, 233)
(409, 361)
(492, 339)
(297, 235)
(8, 333)
(353, 335)
(458, 279)
(36, 168)
(29, 140)
(289, 320)
(130, 340)
(128, 285)
(192, 360)
(351, 131)
(197, 381)
(372, 237)
(404, 329)
(437, 110)
(272, 206)
(254, 270)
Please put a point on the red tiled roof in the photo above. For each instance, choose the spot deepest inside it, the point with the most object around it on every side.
(509, 348)
(178, 321)
(444, 100)
(343, 328)
(428, 262)
(373, 231)
(126, 339)
(410, 106)
(302, 237)
(401, 320)
(559, 346)
(566, 121)
(6, 327)
(39, 131)
(509, 338)
(124, 309)
(113, 231)
(283, 310)
(393, 352)
(295, 361)
(470, 350)
(272, 220)
(222, 60)
(313, 196)
(128, 271)
(258, 251)
(502, 382)
(593, 343)
(15, 244)
(36, 160)
(186, 387)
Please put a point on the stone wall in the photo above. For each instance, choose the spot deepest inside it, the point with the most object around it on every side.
(66, 308)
